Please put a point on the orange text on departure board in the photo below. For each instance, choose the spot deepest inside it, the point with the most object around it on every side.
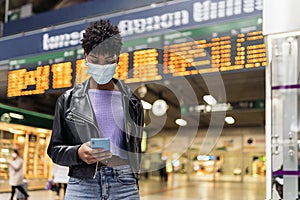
(122, 68)
(62, 75)
(20, 81)
(145, 66)
(191, 58)
(23, 82)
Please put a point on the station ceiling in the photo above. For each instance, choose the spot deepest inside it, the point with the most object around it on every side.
(239, 89)
(38, 6)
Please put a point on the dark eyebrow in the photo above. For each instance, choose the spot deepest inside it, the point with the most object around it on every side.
(94, 56)
(111, 57)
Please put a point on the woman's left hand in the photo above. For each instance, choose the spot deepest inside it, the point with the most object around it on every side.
(90, 156)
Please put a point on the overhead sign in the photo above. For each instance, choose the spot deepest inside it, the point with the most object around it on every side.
(174, 16)
(194, 13)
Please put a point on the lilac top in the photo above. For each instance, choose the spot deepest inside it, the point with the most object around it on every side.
(109, 113)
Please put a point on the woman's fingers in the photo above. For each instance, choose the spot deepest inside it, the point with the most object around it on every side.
(100, 155)
(90, 156)
(85, 153)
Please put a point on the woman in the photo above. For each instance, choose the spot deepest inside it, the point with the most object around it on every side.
(16, 174)
(101, 107)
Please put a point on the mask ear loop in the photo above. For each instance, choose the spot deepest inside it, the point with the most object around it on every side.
(85, 58)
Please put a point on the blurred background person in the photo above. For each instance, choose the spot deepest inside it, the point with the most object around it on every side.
(60, 178)
(146, 167)
(16, 174)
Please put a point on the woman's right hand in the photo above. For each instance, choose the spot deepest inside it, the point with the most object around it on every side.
(91, 156)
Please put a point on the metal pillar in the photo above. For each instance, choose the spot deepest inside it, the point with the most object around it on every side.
(283, 114)
(6, 11)
(282, 33)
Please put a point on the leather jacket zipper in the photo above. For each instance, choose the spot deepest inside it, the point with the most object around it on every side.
(90, 122)
(85, 120)
(95, 170)
(125, 119)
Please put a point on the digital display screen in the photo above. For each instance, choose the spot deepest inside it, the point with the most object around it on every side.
(228, 47)
(145, 66)
(38, 74)
(23, 82)
(62, 75)
(213, 54)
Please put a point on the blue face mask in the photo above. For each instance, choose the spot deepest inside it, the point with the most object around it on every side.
(102, 74)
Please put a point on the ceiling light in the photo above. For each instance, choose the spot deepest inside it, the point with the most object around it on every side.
(153, 5)
(229, 120)
(16, 131)
(221, 107)
(41, 130)
(16, 116)
(5, 151)
(142, 91)
(209, 99)
(199, 108)
(5, 118)
(208, 108)
(159, 107)
(21, 139)
(203, 157)
(146, 105)
(181, 122)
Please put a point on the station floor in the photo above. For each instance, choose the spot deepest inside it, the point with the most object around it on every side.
(178, 188)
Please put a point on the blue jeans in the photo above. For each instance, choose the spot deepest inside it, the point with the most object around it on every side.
(110, 183)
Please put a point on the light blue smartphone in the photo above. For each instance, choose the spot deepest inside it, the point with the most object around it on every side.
(97, 143)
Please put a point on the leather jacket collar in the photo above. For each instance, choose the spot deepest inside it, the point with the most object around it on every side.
(81, 89)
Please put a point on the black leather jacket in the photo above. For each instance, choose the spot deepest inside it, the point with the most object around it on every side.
(75, 123)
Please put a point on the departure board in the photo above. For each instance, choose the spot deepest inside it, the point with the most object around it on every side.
(123, 67)
(80, 67)
(36, 75)
(214, 49)
(227, 47)
(141, 59)
(222, 53)
(62, 75)
(235, 45)
(145, 66)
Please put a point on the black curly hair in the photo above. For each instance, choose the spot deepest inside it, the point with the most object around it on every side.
(102, 37)
(16, 151)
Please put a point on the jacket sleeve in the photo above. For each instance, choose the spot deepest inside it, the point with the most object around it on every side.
(140, 125)
(17, 164)
(140, 121)
(60, 150)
